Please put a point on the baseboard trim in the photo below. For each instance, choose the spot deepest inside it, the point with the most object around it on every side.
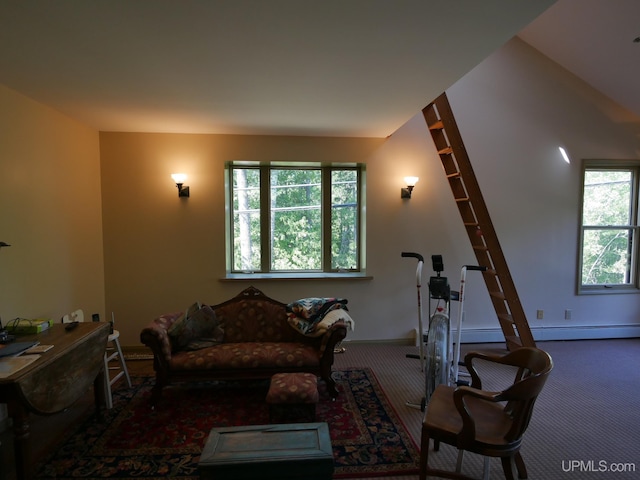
(392, 341)
(476, 335)
(542, 334)
(136, 353)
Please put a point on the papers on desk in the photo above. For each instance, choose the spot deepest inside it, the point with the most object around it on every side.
(15, 348)
(38, 349)
(11, 360)
(11, 365)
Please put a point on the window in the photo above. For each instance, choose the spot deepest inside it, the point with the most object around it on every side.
(609, 227)
(295, 218)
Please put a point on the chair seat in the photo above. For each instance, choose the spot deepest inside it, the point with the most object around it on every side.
(488, 423)
(112, 336)
(492, 423)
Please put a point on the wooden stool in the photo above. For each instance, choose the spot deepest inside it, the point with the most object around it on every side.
(293, 396)
(114, 352)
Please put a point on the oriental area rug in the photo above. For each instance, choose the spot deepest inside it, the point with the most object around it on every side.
(134, 441)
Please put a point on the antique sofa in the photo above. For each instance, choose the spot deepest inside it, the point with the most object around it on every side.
(250, 336)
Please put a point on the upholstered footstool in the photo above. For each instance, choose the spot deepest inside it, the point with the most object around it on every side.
(292, 397)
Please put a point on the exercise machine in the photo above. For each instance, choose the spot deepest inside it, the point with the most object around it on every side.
(440, 357)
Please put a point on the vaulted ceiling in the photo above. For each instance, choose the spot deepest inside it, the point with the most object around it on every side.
(331, 67)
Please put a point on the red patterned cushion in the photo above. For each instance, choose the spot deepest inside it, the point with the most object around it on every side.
(254, 320)
(293, 388)
(247, 355)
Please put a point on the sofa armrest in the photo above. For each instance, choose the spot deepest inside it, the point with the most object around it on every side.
(332, 337)
(156, 337)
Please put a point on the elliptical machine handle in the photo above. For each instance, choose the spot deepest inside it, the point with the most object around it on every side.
(414, 255)
(476, 267)
(419, 268)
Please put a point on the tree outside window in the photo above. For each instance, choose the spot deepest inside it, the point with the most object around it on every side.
(295, 218)
(609, 228)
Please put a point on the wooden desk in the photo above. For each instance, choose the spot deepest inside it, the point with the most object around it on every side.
(55, 380)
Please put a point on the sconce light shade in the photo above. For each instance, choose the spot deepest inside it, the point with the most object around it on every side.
(406, 191)
(179, 178)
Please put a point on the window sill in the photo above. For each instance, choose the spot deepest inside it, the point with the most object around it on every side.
(602, 290)
(232, 277)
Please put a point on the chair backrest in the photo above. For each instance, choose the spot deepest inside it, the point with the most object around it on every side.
(534, 366)
(75, 316)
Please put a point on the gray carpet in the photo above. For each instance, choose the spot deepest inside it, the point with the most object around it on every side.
(586, 424)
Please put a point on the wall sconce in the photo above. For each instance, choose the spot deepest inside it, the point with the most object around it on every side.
(405, 192)
(179, 178)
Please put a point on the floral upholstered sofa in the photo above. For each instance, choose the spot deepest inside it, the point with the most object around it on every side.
(250, 336)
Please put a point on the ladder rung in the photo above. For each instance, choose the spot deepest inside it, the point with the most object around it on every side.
(471, 206)
(499, 295)
(112, 356)
(116, 378)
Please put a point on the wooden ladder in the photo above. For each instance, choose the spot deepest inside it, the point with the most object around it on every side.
(477, 222)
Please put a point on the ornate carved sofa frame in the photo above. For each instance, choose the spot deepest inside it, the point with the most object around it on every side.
(258, 342)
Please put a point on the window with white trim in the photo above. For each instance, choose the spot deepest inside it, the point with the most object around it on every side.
(609, 227)
(294, 218)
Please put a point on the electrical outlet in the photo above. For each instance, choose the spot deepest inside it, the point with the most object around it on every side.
(540, 314)
(567, 314)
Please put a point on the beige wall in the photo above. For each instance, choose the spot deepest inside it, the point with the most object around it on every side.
(162, 252)
(50, 212)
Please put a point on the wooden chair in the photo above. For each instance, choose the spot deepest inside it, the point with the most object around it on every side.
(487, 423)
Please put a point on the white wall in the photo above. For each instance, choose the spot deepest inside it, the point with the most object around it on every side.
(514, 110)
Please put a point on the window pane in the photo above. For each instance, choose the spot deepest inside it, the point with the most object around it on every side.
(344, 220)
(606, 257)
(607, 197)
(246, 219)
(296, 219)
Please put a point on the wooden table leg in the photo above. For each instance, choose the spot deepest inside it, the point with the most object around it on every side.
(99, 392)
(20, 417)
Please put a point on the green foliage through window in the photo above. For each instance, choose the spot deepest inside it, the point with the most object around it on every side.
(292, 219)
(609, 227)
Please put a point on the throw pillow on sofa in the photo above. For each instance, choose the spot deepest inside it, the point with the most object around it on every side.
(197, 328)
(179, 331)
